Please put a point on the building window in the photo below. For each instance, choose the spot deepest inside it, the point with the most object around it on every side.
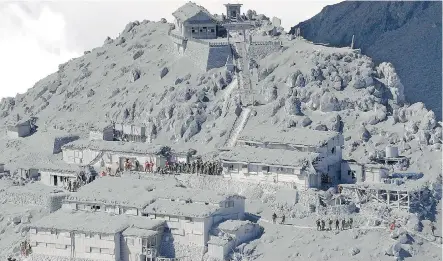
(351, 173)
(188, 219)
(265, 168)
(88, 235)
(231, 167)
(105, 251)
(193, 30)
(95, 207)
(130, 241)
(212, 30)
(201, 30)
(95, 250)
(229, 204)
(244, 166)
(58, 246)
(333, 150)
(33, 231)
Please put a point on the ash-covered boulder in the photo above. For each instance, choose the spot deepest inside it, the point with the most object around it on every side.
(329, 102)
(266, 71)
(364, 134)
(333, 122)
(436, 136)
(277, 105)
(108, 40)
(337, 83)
(137, 54)
(300, 81)
(291, 80)
(354, 251)
(192, 129)
(271, 93)
(135, 74)
(163, 72)
(428, 122)
(321, 127)
(423, 137)
(387, 71)
(293, 106)
(316, 74)
(306, 121)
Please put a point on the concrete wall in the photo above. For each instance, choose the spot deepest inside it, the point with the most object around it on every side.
(131, 247)
(47, 178)
(255, 173)
(106, 134)
(220, 251)
(96, 246)
(60, 141)
(218, 54)
(198, 53)
(374, 174)
(44, 242)
(346, 176)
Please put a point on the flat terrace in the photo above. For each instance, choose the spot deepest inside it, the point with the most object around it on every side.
(270, 157)
(304, 137)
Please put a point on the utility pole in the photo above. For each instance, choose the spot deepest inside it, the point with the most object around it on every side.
(352, 43)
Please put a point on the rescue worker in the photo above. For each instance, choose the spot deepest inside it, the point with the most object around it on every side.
(146, 166)
(283, 219)
(350, 222)
(274, 217)
(433, 229)
(330, 224)
(337, 224)
(343, 223)
(322, 224)
(318, 224)
(137, 165)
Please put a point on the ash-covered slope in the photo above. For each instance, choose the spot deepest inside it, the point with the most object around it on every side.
(405, 33)
(138, 78)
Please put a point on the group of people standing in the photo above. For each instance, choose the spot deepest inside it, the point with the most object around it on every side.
(321, 224)
(195, 167)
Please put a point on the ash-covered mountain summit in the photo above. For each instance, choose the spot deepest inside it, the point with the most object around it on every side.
(406, 33)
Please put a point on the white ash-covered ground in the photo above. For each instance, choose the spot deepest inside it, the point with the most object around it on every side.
(302, 86)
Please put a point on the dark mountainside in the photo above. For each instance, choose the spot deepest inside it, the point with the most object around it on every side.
(407, 34)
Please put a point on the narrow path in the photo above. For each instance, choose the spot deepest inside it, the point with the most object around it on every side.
(227, 96)
(240, 123)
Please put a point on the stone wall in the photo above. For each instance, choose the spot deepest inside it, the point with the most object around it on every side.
(60, 141)
(198, 53)
(218, 54)
(259, 51)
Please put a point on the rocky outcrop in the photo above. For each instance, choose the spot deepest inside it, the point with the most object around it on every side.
(382, 25)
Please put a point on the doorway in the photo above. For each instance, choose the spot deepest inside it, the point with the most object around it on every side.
(55, 180)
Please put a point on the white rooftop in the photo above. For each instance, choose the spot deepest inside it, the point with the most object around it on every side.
(233, 225)
(138, 193)
(180, 209)
(218, 241)
(115, 146)
(208, 196)
(271, 157)
(189, 10)
(122, 191)
(94, 222)
(300, 136)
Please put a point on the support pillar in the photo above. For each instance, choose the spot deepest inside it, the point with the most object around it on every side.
(244, 35)
(388, 193)
(398, 199)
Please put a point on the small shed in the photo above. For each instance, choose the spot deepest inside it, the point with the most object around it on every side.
(375, 173)
(59, 176)
(19, 130)
(219, 247)
(28, 173)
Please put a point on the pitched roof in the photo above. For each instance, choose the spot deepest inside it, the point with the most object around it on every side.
(293, 136)
(189, 10)
(270, 157)
(233, 225)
